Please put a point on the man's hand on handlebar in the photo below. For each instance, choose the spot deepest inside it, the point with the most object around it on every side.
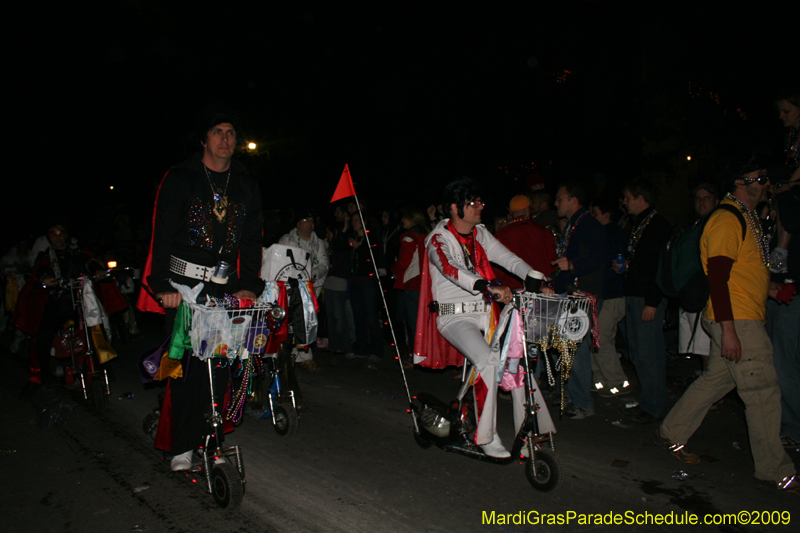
(500, 293)
(169, 300)
(245, 295)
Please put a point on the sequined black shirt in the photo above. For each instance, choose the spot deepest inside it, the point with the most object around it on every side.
(186, 227)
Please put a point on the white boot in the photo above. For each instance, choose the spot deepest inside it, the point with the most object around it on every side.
(495, 448)
(182, 462)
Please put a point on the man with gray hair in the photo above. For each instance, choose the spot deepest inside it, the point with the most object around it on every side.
(692, 338)
(303, 236)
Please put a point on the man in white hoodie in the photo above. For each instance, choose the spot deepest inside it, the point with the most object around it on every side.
(303, 236)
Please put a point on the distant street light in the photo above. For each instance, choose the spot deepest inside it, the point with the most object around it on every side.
(251, 146)
(688, 158)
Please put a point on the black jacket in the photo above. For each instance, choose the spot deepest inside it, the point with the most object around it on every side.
(186, 227)
(586, 250)
(640, 277)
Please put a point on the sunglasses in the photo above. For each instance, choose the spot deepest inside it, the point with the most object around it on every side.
(761, 179)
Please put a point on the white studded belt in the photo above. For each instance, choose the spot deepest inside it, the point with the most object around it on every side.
(464, 307)
(189, 270)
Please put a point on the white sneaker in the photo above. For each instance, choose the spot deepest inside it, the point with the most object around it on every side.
(182, 462)
(579, 413)
(620, 390)
(495, 448)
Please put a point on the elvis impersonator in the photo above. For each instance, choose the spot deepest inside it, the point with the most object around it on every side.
(457, 279)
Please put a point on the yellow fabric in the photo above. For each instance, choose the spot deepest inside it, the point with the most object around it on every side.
(12, 293)
(105, 352)
(169, 368)
(749, 281)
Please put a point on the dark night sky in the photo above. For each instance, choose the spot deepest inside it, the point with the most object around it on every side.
(409, 97)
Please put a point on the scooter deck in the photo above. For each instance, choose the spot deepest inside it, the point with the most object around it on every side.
(475, 452)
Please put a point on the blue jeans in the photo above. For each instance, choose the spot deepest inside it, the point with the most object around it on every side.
(580, 377)
(407, 303)
(782, 327)
(648, 353)
(335, 307)
(364, 298)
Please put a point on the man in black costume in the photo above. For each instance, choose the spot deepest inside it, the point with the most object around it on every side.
(208, 210)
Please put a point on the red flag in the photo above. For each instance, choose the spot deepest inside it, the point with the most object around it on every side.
(345, 187)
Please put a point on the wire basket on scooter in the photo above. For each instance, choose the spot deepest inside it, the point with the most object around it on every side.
(230, 332)
(556, 324)
(549, 316)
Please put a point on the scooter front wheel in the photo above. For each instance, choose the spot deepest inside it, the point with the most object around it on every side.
(226, 486)
(99, 399)
(421, 441)
(544, 473)
(285, 420)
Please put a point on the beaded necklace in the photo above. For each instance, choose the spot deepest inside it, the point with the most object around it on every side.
(792, 142)
(300, 245)
(637, 233)
(755, 226)
(564, 244)
(354, 254)
(54, 262)
(468, 255)
(220, 197)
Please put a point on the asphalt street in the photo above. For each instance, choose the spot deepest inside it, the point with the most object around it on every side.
(353, 465)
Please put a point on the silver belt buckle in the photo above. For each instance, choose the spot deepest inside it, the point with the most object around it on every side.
(472, 307)
(462, 308)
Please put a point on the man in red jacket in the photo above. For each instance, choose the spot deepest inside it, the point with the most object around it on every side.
(529, 241)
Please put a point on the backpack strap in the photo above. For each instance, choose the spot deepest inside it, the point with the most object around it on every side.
(735, 211)
(694, 330)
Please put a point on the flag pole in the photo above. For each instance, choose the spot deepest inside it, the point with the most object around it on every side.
(383, 299)
(344, 190)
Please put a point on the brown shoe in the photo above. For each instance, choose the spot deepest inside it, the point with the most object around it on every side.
(308, 366)
(677, 450)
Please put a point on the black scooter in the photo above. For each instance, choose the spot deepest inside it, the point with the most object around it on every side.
(545, 319)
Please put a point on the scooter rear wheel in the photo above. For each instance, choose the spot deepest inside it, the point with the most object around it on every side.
(544, 474)
(150, 424)
(286, 420)
(226, 486)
